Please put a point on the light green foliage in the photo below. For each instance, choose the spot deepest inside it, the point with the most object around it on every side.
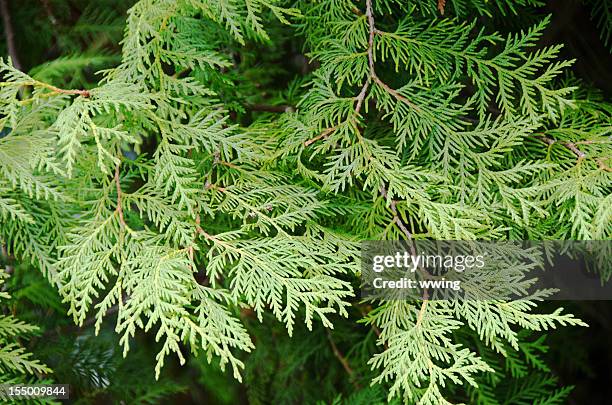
(145, 262)
(144, 196)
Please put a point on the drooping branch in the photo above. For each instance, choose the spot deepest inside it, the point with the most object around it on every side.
(371, 33)
(372, 76)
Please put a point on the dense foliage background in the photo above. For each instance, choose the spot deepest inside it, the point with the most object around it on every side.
(273, 87)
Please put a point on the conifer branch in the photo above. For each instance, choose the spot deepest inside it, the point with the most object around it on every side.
(282, 232)
(372, 30)
(359, 99)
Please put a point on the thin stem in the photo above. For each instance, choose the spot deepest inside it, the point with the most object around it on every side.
(573, 148)
(342, 359)
(320, 136)
(569, 145)
(361, 96)
(54, 89)
(602, 165)
(395, 93)
(84, 93)
(396, 219)
(576, 151)
(373, 75)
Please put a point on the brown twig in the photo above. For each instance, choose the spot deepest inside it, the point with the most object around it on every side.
(572, 146)
(361, 96)
(591, 142)
(396, 219)
(356, 11)
(373, 75)
(342, 359)
(395, 93)
(602, 164)
(228, 164)
(569, 145)
(54, 89)
(84, 93)
(9, 34)
(320, 136)
(202, 232)
(211, 186)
